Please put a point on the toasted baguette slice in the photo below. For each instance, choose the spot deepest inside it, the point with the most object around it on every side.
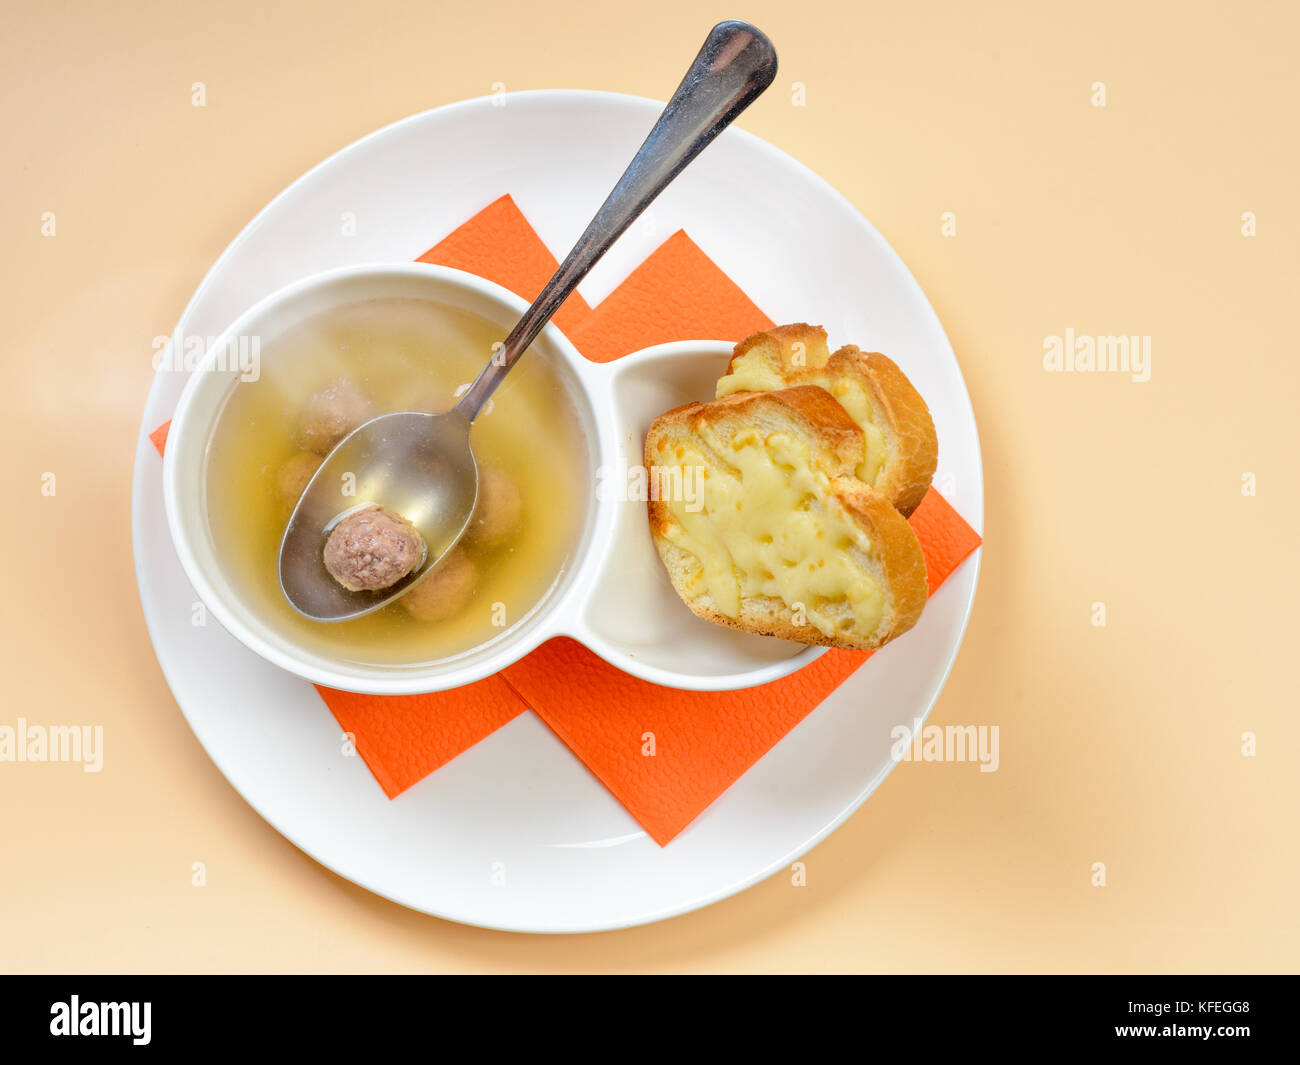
(901, 449)
(765, 528)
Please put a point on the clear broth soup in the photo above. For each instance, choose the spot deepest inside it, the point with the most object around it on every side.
(402, 354)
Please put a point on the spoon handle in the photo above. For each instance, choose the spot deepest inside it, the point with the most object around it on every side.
(736, 63)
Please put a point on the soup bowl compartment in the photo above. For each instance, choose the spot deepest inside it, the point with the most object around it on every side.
(611, 594)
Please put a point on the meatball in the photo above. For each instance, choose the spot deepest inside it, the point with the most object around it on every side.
(445, 591)
(499, 508)
(292, 477)
(372, 549)
(331, 414)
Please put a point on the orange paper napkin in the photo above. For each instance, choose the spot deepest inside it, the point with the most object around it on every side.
(703, 740)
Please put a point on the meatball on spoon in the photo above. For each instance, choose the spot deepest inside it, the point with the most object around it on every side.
(421, 466)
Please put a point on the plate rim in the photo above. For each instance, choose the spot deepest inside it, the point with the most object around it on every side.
(939, 680)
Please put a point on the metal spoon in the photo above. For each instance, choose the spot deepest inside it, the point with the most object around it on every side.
(421, 465)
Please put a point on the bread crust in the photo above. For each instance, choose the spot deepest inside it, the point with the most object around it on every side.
(800, 350)
(899, 551)
(836, 440)
(797, 346)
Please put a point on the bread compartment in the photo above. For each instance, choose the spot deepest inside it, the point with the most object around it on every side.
(632, 616)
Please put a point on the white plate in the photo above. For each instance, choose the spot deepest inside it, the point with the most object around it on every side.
(516, 833)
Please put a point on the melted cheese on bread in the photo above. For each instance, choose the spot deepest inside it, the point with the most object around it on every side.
(780, 538)
(753, 372)
(899, 450)
(770, 525)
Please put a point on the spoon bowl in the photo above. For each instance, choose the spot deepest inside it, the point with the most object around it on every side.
(421, 465)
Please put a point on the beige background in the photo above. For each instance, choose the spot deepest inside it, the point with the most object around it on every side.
(1120, 744)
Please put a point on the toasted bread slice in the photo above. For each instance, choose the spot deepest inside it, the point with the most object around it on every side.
(900, 450)
(762, 526)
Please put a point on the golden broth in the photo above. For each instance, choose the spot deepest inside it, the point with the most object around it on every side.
(404, 354)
